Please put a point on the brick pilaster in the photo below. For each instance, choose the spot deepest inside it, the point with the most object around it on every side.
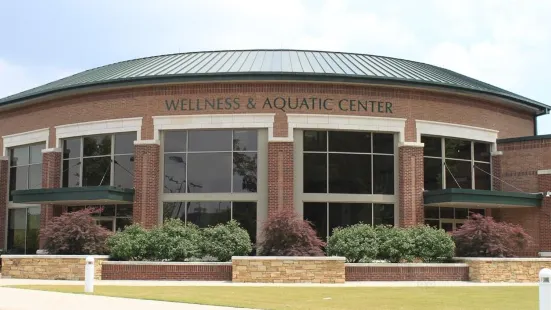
(411, 176)
(4, 187)
(280, 176)
(51, 178)
(146, 183)
(544, 212)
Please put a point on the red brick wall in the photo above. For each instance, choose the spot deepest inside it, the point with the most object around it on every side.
(544, 214)
(411, 176)
(167, 271)
(521, 161)
(519, 166)
(146, 184)
(51, 178)
(280, 176)
(400, 273)
(146, 102)
(4, 163)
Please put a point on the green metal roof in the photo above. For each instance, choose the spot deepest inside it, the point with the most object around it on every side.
(300, 65)
(475, 198)
(74, 196)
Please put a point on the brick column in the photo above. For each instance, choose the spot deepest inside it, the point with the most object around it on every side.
(411, 176)
(4, 187)
(51, 178)
(146, 182)
(544, 212)
(280, 176)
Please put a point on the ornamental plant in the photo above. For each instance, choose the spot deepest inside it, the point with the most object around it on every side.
(431, 245)
(359, 243)
(395, 244)
(287, 234)
(483, 237)
(76, 233)
(174, 241)
(224, 241)
(131, 244)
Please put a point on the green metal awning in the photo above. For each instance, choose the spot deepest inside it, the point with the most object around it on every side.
(472, 198)
(75, 196)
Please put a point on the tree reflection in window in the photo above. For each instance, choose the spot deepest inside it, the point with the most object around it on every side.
(211, 169)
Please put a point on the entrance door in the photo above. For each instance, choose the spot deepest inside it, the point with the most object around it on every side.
(450, 225)
(107, 223)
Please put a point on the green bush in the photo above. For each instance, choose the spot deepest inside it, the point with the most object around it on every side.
(130, 244)
(395, 244)
(358, 243)
(431, 245)
(175, 241)
(225, 240)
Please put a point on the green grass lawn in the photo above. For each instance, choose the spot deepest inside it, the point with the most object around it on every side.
(426, 298)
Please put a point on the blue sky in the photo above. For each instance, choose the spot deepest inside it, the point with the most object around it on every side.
(506, 43)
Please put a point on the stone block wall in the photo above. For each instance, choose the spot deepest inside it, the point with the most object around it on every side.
(288, 269)
(49, 267)
(490, 270)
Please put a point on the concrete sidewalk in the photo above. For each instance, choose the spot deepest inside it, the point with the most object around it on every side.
(9, 282)
(18, 299)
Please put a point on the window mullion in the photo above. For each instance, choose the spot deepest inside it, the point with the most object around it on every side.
(473, 184)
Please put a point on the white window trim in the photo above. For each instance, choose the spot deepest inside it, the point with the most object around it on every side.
(345, 122)
(99, 127)
(266, 120)
(214, 121)
(25, 138)
(456, 131)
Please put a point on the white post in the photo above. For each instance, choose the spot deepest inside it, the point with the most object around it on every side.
(545, 289)
(89, 275)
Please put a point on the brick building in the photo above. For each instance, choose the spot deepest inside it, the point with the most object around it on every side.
(211, 136)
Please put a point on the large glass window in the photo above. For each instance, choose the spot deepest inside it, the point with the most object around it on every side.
(25, 167)
(99, 160)
(210, 161)
(345, 162)
(456, 163)
(210, 213)
(325, 217)
(23, 227)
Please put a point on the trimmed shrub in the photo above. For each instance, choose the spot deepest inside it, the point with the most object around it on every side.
(395, 244)
(359, 243)
(430, 244)
(76, 233)
(131, 244)
(174, 241)
(224, 241)
(287, 234)
(483, 237)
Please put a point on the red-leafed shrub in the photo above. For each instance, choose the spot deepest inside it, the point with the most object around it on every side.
(75, 233)
(287, 234)
(483, 237)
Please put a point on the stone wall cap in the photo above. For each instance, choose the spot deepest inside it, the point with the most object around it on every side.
(502, 259)
(413, 265)
(7, 256)
(411, 144)
(142, 263)
(4, 158)
(330, 258)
